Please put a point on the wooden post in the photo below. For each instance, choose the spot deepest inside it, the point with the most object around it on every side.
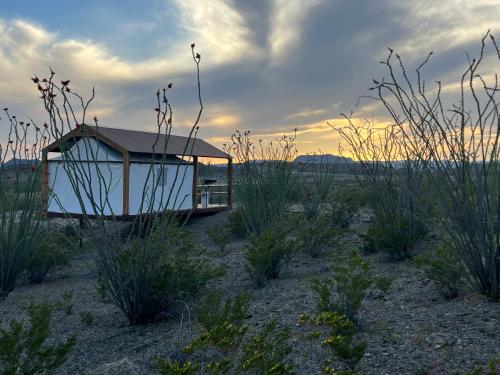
(126, 182)
(44, 196)
(230, 182)
(195, 182)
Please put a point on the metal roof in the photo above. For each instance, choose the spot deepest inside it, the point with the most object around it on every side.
(140, 142)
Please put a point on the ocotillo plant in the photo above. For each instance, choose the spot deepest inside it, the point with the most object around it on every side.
(20, 221)
(126, 265)
(459, 145)
(264, 182)
(392, 180)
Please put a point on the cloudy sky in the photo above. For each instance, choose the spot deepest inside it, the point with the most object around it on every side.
(268, 66)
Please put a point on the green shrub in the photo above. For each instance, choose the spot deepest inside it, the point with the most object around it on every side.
(316, 186)
(393, 234)
(344, 291)
(65, 304)
(264, 181)
(24, 350)
(346, 201)
(220, 235)
(51, 254)
(87, 317)
(443, 266)
(268, 253)
(148, 277)
(173, 367)
(236, 224)
(265, 352)
(340, 337)
(315, 235)
(224, 328)
(490, 369)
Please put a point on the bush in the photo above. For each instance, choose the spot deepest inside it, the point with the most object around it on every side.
(167, 367)
(87, 317)
(443, 266)
(219, 234)
(147, 278)
(340, 337)
(319, 176)
(346, 289)
(236, 224)
(268, 253)
(265, 353)
(393, 234)
(346, 201)
(19, 244)
(224, 328)
(24, 350)
(65, 304)
(51, 254)
(315, 235)
(264, 182)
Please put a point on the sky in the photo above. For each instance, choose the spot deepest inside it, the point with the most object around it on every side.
(266, 66)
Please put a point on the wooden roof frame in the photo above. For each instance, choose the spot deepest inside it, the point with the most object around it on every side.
(91, 131)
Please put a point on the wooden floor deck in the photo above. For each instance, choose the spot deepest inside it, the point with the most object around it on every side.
(199, 211)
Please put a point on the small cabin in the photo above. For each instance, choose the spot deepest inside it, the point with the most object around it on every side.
(115, 167)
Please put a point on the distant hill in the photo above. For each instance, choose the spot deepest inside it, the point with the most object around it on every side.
(325, 158)
(20, 163)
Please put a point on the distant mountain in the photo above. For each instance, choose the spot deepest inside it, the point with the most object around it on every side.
(325, 158)
(16, 163)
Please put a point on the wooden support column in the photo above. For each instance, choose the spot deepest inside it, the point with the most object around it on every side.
(126, 182)
(195, 182)
(44, 180)
(230, 182)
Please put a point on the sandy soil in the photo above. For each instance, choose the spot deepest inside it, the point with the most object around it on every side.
(410, 330)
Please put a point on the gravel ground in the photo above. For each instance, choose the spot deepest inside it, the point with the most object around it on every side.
(409, 330)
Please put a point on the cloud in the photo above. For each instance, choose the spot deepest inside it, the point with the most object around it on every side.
(443, 25)
(287, 21)
(307, 112)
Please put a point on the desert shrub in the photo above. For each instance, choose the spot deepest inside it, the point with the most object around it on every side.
(265, 352)
(316, 234)
(267, 253)
(219, 234)
(317, 182)
(224, 329)
(25, 350)
(340, 337)
(392, 184)
(344, 291)
(346, 201)
(51, 253)
(264, 181)
(87, 317)
(458, 146)
(443, 266)
(393, 234)
(174, 367)
(65, 304)
(236, 224)
(20, 224)
(490, 369)
(148, 277)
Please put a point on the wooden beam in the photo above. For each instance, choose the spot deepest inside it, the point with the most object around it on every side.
(230, 182)
(44, 180)
(126, 182)
(195, 182)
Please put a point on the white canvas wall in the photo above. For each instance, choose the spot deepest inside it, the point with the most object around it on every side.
(105, 174)
(181, 197)
(99, 178)
(89, 149)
